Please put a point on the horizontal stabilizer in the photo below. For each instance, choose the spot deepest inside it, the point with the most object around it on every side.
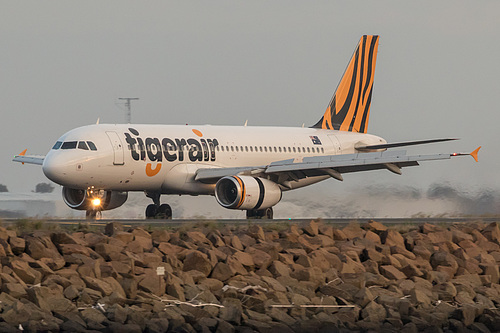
(401, 144)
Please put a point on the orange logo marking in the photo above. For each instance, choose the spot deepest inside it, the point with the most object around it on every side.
(152, 172)
(195, 131)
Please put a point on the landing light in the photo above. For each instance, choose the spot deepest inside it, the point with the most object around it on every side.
(96, 202)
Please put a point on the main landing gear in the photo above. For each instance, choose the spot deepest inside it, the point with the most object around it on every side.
(157, 210)
(162, 211)
(266, 214)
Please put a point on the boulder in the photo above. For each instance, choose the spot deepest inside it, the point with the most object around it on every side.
(391, 272)
(18, 245)
(25, 272)
(41, 247)
(260, 258)
(111, 228)
(125, 237)
(98, 285)
(492, 233)
(196, 260)
(374, 312)
(160, 236)
(352, 231)
(374, 227)
(392, 238)
(311, 228)
(232, 311)
(244, 258)
(255, 231)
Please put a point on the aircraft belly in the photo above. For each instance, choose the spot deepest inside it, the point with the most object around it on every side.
(180, 180)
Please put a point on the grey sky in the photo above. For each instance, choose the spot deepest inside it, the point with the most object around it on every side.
(63, 64)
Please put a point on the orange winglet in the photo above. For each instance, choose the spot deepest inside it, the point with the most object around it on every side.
(474, 153)
(23, 153)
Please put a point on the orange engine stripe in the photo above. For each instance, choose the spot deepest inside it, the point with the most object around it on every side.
(242, 185)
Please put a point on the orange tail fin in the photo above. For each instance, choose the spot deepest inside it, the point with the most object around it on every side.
(349, 109)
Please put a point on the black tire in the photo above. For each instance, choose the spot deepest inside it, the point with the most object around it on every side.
(164, 212)
(251, 215)
(91, 214)
(267, 214)
(151, 211)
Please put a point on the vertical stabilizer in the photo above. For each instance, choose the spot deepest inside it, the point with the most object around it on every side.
(349, 109)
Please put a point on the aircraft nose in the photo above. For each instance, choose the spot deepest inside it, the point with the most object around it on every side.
(54, 168)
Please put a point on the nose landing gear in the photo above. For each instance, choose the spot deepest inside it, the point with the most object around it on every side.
(93, 214)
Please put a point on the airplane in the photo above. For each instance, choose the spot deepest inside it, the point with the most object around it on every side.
(244, 167)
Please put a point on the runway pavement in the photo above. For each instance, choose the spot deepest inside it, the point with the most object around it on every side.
(181, 222)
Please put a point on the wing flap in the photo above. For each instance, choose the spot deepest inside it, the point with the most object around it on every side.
(356, 162)
(348, 163)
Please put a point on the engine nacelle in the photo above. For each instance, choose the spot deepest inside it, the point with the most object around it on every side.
(83, 200)
(246, 192)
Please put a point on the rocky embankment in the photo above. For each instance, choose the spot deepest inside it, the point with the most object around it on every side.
(306, 278)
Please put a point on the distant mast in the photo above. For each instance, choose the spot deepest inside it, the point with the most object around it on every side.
(129, 109)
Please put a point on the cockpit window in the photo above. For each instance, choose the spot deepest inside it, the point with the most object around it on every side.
(57, 145)
(91, 145)
(82, 145)
(69, 145)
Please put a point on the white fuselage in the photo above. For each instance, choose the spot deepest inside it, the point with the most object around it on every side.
(164, 158)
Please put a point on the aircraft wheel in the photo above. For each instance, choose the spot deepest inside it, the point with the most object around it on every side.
(93, 215)
(151, 211)
(164, 212)
(251, 214)
(260, 214)
(267, 213)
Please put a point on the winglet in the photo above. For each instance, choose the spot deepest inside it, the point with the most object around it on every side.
(474, 153)
(23, 153)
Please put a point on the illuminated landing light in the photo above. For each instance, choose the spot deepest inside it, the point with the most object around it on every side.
(96, 202)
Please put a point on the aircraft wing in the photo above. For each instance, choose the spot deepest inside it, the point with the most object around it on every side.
(30, 159)
(333, 165)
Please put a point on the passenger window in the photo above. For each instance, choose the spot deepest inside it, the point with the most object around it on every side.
(69, 145)
(275, 150)
(265, 149)
(82, 145)
(57, 145)
(251, 148)
(232, 148)
(91, 145)
(221, 147)
(260, 148)
(246, 148)
(303, 149)
(236, 148)
(279, 148)
(294, 149)
(308, 150)
(322, 150)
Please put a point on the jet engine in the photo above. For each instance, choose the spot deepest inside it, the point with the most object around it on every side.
(247, 193)
(95, 200)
